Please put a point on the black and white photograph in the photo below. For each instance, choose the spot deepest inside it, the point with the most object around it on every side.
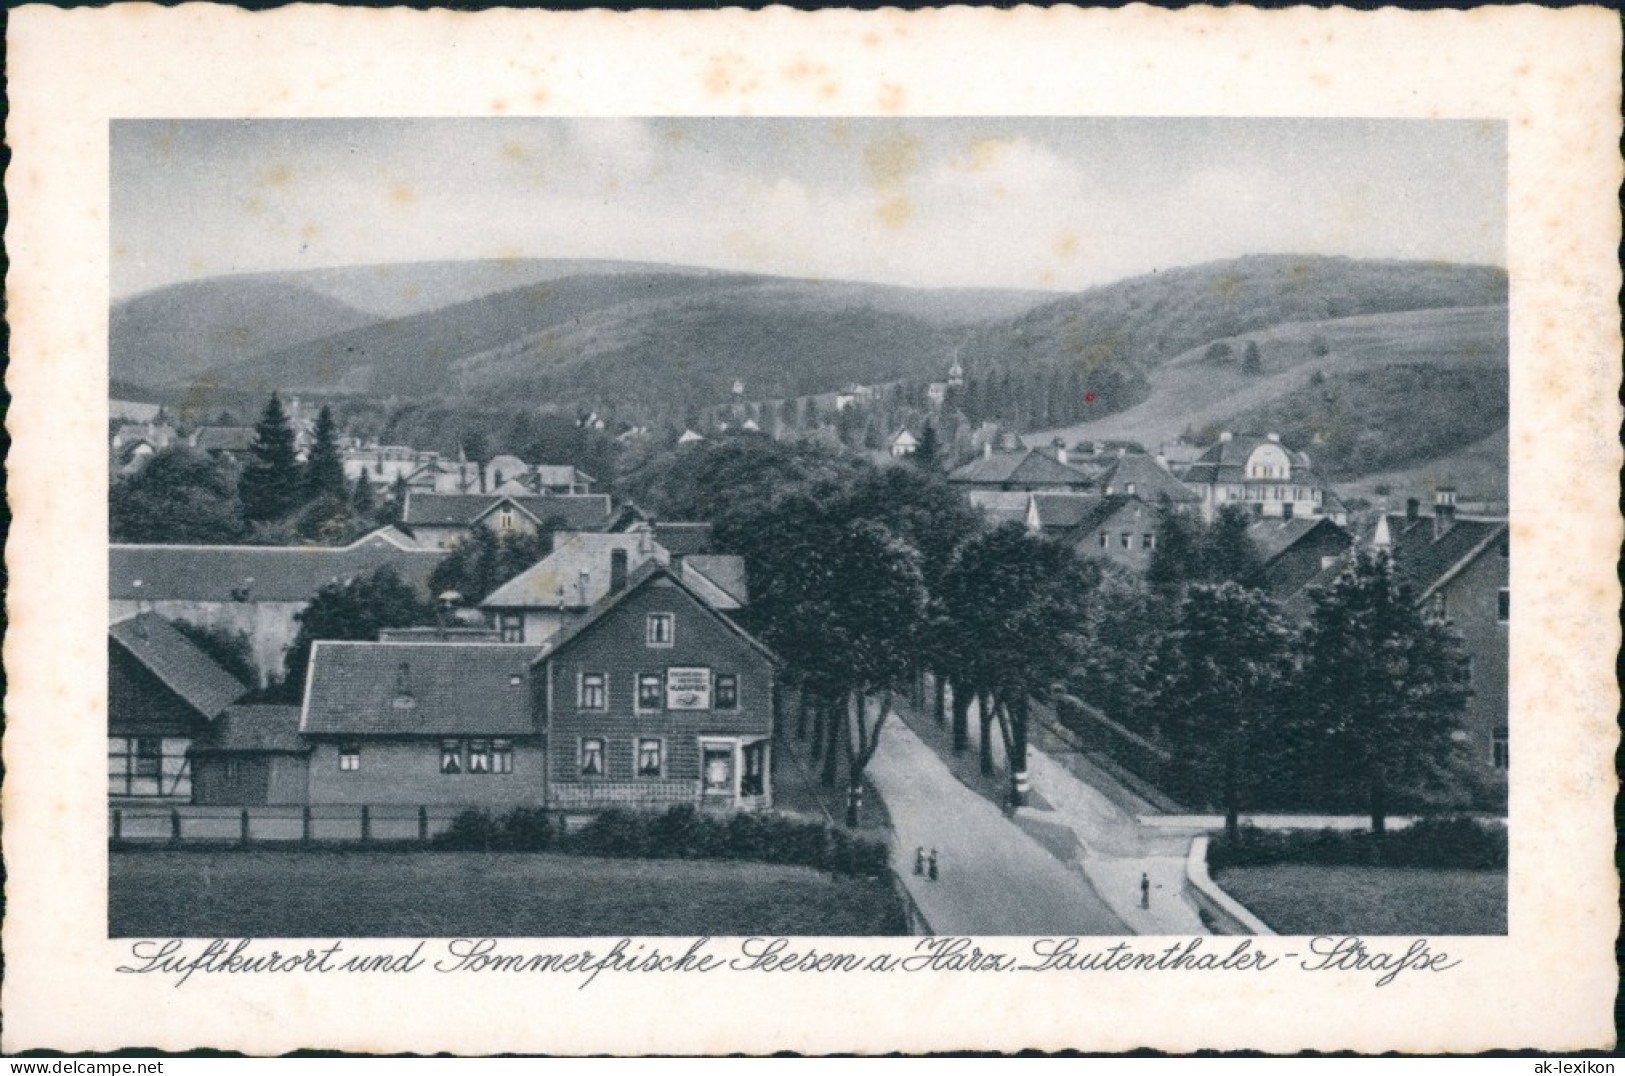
(722, 526)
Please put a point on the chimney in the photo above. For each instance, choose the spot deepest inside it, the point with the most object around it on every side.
(1413, 508)
(582, 583)
(987, 449)
(1224, 437)
(617, 570)
(1444, 510)
(1060, 450)
(1274, 437)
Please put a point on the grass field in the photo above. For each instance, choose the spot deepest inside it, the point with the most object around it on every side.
(1295, 899)
(438, 894)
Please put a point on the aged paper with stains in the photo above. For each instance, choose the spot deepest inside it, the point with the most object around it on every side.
(1551, 76)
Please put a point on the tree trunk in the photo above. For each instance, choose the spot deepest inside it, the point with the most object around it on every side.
(1379, 804)
(961, 722)
(984, 711)
(854, 763)
(801, 714)
(1232, 796)
(835, 728)
(939, 708)
(1018, 714)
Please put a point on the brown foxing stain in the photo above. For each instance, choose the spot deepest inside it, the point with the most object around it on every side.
(499, 105)
(253, 204)
(891, 97)
(279, 175)
(310, 230)
(891, 161)
(402, 195)
(1066, 244)
(538, 96)
(1320, 78)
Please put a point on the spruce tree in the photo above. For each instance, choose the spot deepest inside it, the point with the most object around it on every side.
(270, 486)
(362, 498)
(324, 469)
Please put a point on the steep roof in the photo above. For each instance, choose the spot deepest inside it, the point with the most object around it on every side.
(724, 571)
(361, 689)
(641, 577)
(1274, 535)
(1077, 514)
(1425, 561)
(178, 663)
(222, 573)
(254, 730)
(1000, 506)
(1151, 481)
(575, 557)
(580, 511)
(1031, 467)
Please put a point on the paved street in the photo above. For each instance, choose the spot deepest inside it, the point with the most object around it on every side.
(993, 879)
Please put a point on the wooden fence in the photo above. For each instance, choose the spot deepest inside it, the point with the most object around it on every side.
(144, 826)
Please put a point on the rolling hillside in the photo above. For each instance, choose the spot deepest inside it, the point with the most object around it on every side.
(174, 333)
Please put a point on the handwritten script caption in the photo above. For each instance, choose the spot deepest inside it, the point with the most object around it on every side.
(184, 960)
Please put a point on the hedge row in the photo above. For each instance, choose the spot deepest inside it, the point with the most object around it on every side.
(679, 833)
(1441, 843)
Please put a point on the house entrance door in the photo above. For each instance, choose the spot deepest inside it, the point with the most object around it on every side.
(718, 772)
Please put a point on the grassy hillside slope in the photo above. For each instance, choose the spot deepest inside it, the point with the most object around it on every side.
(177, 332)
(1369, 364)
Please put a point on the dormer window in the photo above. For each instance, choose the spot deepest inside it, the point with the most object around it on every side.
(505, 519)
(404, 699)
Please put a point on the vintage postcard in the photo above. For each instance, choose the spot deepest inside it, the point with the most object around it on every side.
(963, 530)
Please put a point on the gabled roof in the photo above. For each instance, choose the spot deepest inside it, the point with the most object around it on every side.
(224, 438)
(1274, 535)
(722, 571)
(223, 573)
(558, 474)
(575, 574)
(178, 663)
(254, 730)
(1031, 467)
(641, 577)
(1000, 506)
(1077, 514)
(1151, 481)
(580, 511)
(362, 689)
(1427, 562)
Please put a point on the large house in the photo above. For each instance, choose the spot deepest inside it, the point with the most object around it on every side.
(163, 693)
(1121, 528)
(653, 698)
(439, 520)
(1263, 476)
(1025, 471)
(562, 587)
(1459, 568)
(1297, 552)
(256, 590)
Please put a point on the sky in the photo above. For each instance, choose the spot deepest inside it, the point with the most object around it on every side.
(1036, 203)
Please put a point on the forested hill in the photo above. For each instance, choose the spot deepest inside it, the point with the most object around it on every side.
(1150, 319)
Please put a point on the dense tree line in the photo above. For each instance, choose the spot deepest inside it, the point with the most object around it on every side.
(863, 577)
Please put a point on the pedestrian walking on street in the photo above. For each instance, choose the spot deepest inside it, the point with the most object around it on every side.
(933, 867)
(1145, 890)
(919, 859)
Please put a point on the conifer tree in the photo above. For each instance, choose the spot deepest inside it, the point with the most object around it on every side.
(270, 486)
(324, 469)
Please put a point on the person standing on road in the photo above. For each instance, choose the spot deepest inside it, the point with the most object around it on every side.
(1145, 890)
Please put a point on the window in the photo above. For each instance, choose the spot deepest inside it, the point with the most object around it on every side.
(1441, 605)
(233, 770)
(513, 628)
(591, 759)
(727, 691)
(501, 756)
(1129, 489)
(1148, 541)
(1127, 540)
(1286, 510)
(1500, 749)
(349, 757)
(1467, 669)
(753, 778)
(716, 768)
(149, 757)
(505, 519)
(479, 756)
(651, 691)
(1105, 540)
(651, 758)
(593, 694)
(451, 756)
(1503, 605)
(661, 629)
